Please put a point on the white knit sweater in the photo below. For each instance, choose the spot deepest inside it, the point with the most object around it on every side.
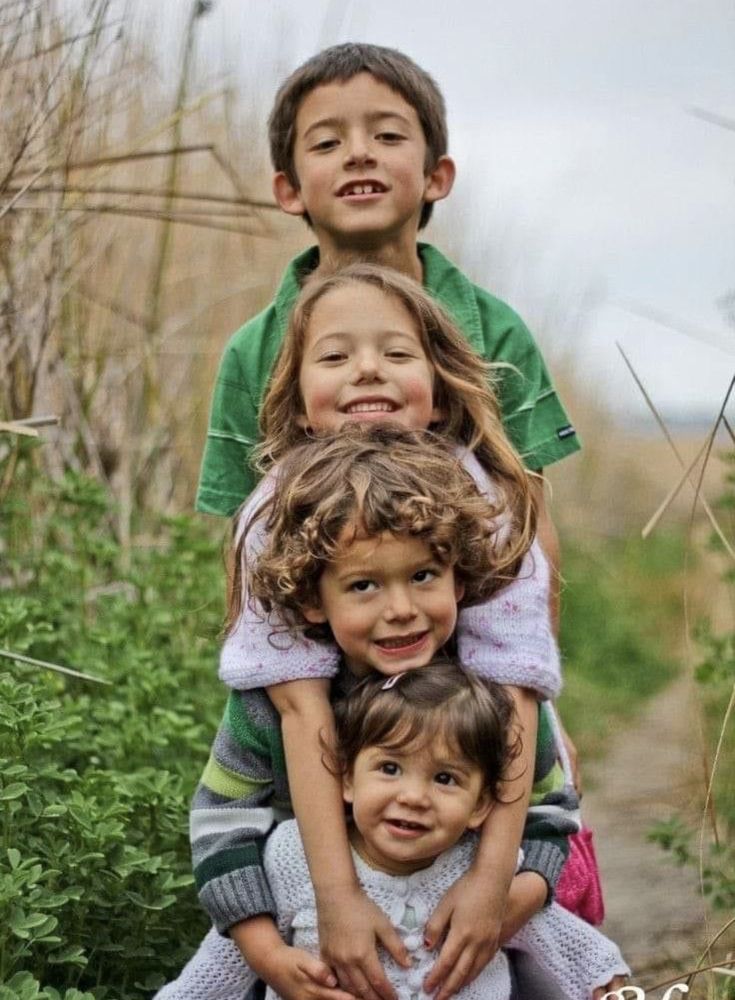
(574, 955)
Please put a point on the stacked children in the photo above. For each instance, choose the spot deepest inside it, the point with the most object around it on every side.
(358, 138)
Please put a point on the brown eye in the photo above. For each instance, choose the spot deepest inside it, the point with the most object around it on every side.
(445, 778)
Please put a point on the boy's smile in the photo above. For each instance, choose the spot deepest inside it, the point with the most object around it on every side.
(360, 159)
(389, 603)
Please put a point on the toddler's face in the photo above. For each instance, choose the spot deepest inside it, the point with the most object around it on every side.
(363, 361)
(410, 805)
(391, 606)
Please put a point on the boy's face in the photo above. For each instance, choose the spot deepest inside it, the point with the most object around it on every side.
(390, 604)
(359, 155)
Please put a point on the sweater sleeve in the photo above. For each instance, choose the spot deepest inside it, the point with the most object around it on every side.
(574, 954)
(554, 810)
(241, 795)
(509, 638)
(288, 875)
(261, 649)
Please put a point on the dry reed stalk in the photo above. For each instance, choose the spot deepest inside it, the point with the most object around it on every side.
(97, 322)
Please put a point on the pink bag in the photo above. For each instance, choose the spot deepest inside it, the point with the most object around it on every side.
(579, 889)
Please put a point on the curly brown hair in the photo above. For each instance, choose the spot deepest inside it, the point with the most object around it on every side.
(462, 387)
(476, 719)
(377, 479)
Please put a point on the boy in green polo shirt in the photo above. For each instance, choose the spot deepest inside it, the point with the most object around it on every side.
(359, 145)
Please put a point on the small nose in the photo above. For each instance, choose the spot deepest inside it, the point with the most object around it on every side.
(358, 152)
(413, 792)
(367, 367)
(399, 606)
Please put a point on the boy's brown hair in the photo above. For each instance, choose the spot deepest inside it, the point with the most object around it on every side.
(372, 479)
(342, 63)
(474, 717)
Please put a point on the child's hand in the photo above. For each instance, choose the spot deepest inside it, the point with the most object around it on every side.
(296, 975)
(474, 921)
(350, 925)
(617, 983)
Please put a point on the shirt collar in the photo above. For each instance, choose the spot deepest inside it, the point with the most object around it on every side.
(442, 279)
(454, 291)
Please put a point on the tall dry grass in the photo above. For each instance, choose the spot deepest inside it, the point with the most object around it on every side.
(136, 233)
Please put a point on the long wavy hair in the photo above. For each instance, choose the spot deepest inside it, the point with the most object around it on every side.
(463, 388)
(371, 479)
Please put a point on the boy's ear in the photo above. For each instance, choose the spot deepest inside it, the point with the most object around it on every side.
(481, 811)
(287, 196)
(315, 616)
(440, 179)
(458, 589)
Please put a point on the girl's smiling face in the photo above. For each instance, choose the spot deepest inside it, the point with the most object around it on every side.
(412, 803)
(363, 361)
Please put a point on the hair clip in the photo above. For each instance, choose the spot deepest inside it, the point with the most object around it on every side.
(391, 682)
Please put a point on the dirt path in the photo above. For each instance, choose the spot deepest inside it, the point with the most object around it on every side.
(654, 910)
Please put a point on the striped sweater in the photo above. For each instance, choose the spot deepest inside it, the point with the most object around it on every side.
(243, 793)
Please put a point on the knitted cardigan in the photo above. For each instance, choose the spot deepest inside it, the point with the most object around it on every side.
(244, 792)
(570, 952)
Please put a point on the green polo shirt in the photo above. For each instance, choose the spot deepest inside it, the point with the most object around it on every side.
(533, 416)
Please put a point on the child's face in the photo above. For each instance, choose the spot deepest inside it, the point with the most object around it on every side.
(411, 804)
(359, 155)
(390, 605)
(363, 361)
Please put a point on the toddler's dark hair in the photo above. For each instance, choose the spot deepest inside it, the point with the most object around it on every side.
(474, 717)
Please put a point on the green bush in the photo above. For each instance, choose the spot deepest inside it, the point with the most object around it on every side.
(95, 877)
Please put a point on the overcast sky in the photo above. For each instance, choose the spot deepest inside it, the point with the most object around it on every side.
(584, 173)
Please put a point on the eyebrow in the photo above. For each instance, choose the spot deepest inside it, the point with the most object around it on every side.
(352, 335)
(460, 766)
(372, 116)
(464, 768)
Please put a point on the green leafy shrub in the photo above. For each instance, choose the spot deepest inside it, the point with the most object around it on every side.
(96, 894)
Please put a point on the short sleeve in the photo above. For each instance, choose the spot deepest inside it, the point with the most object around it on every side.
(534, 418)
